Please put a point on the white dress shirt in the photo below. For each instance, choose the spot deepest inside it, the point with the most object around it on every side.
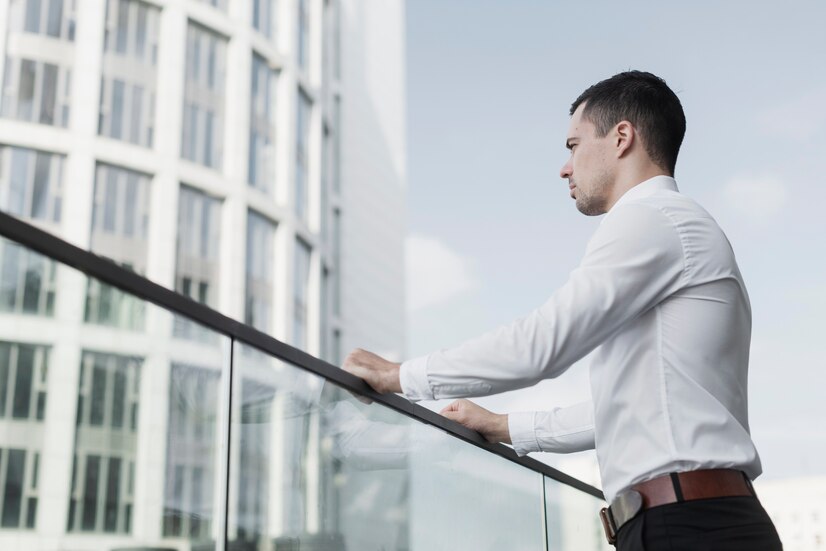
(661, 299)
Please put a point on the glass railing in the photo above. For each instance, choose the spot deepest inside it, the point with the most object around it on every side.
(146, 436)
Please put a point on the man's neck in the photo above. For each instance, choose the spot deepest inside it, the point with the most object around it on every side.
(633, 179)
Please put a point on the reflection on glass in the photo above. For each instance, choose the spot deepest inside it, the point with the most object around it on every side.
(333, 473)
(105, 442)
(191, 445)
(27, 281)
(113, 439)
(109, 439)
(572, 521)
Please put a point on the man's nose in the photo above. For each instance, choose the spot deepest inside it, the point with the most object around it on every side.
(566, 170)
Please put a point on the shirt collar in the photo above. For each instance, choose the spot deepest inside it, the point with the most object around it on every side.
(647, 188)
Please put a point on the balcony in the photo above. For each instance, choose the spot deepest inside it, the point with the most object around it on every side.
(192, 431)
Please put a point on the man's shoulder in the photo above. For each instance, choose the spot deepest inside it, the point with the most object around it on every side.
(679, 209)
(705, 245)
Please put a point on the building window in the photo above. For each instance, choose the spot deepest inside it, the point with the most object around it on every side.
(108, 392)
(264, 17)
(336, 290)
(102, 492)
(303, 33)
(101, 495)
(302, 161)
(326, 153)
(203, 122)
(301, 290)
(259, 273)
(330, 55)
(36, 91)
(54, 18)
(191, 446)
(336, 352)
(18, 482)
(120, 220)
(130, 51)
(262, 126)
(24, 370)
(31, 183)
(335, 169)
(324, 315)
(27, 280)
(196, 267)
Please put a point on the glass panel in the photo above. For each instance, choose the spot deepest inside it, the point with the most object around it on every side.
(140, 414)
(315, 468)
(311, 467)
(572, 521)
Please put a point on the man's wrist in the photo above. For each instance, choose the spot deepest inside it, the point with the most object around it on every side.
(392, 381)
(503, 432)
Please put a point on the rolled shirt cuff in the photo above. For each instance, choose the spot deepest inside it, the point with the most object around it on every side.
(522, 429)
(413, 379)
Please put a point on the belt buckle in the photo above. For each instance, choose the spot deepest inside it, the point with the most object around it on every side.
(608, 525)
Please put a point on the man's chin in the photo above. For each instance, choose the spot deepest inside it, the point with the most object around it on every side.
(589, 208)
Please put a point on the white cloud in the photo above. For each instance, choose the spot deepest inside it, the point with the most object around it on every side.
(799, 119)
(435, 273)
(758, 197)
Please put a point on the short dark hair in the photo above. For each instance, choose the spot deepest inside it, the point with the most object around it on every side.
(644, 100)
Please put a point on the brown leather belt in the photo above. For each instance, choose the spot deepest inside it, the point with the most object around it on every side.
(672, 488)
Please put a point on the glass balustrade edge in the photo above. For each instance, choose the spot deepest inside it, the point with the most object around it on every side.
(110, 273)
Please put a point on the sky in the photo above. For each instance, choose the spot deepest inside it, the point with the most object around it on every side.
(493, 231)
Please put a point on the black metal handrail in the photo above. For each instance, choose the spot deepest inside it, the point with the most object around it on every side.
(105, 270)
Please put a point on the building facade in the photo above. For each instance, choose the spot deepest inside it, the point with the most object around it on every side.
(248, 154)
(798, 510)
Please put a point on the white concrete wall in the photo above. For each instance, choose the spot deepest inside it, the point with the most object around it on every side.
(373, 176)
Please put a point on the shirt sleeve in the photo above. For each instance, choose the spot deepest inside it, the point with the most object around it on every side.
(634, 260)
(561, 430)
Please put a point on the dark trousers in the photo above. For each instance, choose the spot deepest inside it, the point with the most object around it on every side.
(719, 524)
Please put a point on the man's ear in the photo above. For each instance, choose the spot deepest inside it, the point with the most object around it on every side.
(624, 137)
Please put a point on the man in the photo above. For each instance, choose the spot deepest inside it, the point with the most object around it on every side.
(661, 299)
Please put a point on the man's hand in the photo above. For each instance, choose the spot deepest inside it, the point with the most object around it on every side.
(380, 374)
(493, 426)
